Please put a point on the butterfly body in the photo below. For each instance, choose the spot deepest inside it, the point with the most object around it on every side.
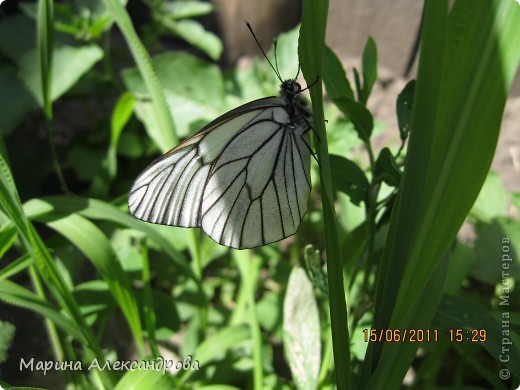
(244, 178)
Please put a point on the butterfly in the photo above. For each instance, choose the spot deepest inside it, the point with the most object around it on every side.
(244, 178)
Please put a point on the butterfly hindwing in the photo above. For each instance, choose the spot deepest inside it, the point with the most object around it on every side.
(256, 192)
(169, 191)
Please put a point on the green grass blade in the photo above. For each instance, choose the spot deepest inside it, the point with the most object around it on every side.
(14, 294)
(68, 215)
(311, 52)
(11, 206)
(15, 267)
(466, 68)
(120, 117)
(45, 49)
(165, 135)
(249, 271)
(90, 240)
(100, 210)
(45, 38)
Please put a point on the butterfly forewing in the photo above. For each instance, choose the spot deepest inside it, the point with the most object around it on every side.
(178, 178)
(244, 178)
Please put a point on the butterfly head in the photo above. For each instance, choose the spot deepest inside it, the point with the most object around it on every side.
(290, 88)
(295, 104)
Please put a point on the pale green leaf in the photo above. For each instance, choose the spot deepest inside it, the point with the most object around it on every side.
(301, 324)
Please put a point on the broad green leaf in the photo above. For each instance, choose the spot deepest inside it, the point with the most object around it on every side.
(194, 90)
(301, 324)
(270, 309)
(491, 201)
(348, 178)
(17, 42)
(131, 145)
(497, 246)
(386, 168)
(369, 64)
(404, 106)
(461, 262)
(334, 77)
(70, 61)
(186, 9)
(83, 19)
(342, 137)
(194, 33)
(357, 83)
(358, 114)
(215, 346)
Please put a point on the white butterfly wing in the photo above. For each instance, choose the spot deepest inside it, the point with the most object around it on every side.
(258, 187)
(244, 178)
(169, 191)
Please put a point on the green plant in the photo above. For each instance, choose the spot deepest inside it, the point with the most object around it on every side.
(389, 225)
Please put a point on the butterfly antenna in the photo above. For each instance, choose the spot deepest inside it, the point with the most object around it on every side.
(312, 85)
(263, 52)
(298, 73)
(275, 56)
